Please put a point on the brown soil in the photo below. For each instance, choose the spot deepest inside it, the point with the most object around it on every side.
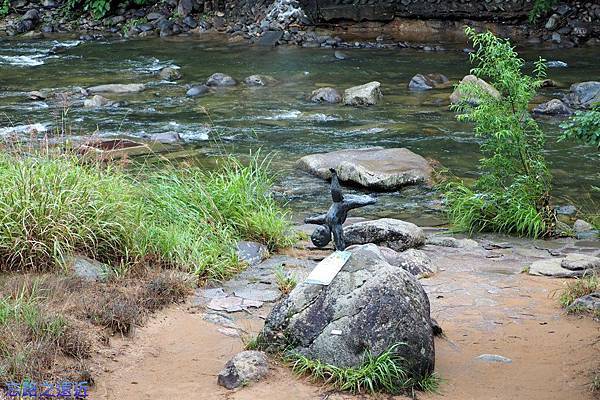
(483, 304)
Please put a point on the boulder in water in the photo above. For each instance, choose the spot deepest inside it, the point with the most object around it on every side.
(363, 95)
(371, 167)
(369, 306)
(197, 90)
(219, 79)
(458, 96)
(118, 88)
(96, 101)
(170, 73)
(259, 80)
(583, 95)
(421, 82)
(325, 95)
(553, 107)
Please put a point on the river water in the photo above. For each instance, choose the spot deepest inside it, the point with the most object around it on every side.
(278, 119)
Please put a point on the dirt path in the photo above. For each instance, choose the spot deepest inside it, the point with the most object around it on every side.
(479, 297)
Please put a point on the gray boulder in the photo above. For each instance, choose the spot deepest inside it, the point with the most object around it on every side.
(582, 226)
(245, 367)
(96, 101)
(583, 95)
(482, 86)
(370, 305)
(166, 138)
(87, 268)
(251, 252)
(259, 80)
(553, 107)
(396, 234)
(371, 167)
(580, 262)
(184, 8)
(325, 95)
(118, 88)
(421, 82)
(414, 261)
(197, 90)
(169, 73)
(572, 266)
(590, 302)
(363, 95)
(220, 79)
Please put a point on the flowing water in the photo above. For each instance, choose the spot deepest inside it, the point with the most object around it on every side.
(278, 118)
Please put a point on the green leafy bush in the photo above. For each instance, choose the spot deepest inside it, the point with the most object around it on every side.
(512, 193)
(54, 206)
(99, 8)
(4, 7)
(584, 126)
(540, 7)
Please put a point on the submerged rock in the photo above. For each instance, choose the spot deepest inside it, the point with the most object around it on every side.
(553, 107)
(325, 95)
(244, 368)
(583, 95)
(396, 234)
(170, 73)
(96, 101)
(259, 80)
(197, 90)
(119, 88)
(370, 305)
(427, 82)
(373, 167)
(219, 79)
(363, 95)
(458, 96)
(166, 138)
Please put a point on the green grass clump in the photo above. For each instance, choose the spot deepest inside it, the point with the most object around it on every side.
(512, 193)
(579, 287)
(285, 282)
(383, 373)
(52, 207)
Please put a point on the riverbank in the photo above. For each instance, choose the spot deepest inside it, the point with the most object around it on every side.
(301, 23)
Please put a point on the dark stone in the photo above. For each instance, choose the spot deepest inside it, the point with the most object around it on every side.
(190, 21)
(325, 95)
(244, 368)
(584, 94)
(426, 82)
(553, 107)
(33, 15)
(590, 302)
(219, 79)
(184, 8)
(270, 38)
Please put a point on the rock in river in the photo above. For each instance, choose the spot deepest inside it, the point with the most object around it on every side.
(259, 80)
(197, 90)
(372, 167)
(325, 95)
(396, 234)
(243, 368)
(119, 88)
(363, 95)
(458, 96)
(370, 305)
(170, 73)
(427, 82)
(220, 79)
(583, 95)
(553, 107)
(96, 101)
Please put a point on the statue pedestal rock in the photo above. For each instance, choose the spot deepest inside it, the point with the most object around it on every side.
(331, 223)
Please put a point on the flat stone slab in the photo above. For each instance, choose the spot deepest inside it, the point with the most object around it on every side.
(580, 262)
(373, 167)
(251, 252)
(233, 304)
(263, 295)
(117, 88)
(552, 267)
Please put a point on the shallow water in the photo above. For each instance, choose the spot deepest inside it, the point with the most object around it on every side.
(279, 118)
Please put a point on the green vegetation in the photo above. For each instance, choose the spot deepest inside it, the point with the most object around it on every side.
(512, 193)
(540, 7)
(578, 288)
(99, 8)
(583, 126)
(285, 282)
(54, 206)
(4, 7)
(384, 373)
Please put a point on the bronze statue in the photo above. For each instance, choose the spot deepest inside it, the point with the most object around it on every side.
(331, 223)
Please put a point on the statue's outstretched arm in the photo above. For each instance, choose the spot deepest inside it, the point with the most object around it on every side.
(318, 220)
(352, 201)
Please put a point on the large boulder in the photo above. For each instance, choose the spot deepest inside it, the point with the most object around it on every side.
(325, 95)
(584, 94)
(170, 73)
(372, 167)
(396, 234)
(118, 88)
(553, 107)
(459, 94)
(363, 95)
(220, 79)
(422, 82)
(243, 368)
(369, 306)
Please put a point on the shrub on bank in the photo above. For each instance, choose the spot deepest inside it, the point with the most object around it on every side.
(54, 206)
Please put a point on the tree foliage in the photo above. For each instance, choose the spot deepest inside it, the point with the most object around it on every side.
(99, 8)
(512, 193)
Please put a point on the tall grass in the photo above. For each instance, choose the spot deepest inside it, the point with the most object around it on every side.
(52, 207)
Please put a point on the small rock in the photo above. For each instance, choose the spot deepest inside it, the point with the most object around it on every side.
(184, 8)
(339, 55)
(86, 268)
(117, 88)
(494, 358)
(166, 138)
(270, 38)
(251, 252)
(590, 302)
(556, 64)
(582, 226)
(197, 90)
(96, 101)
(421, 82)
(36, 95)
(243, 368)
(325, 95)
(583, 94)
(553, 107)
(447, 241)
(170, 73)
(153, 16)
(457, 96)
(556, 38)
(219, 79)
(259, 80)
(566, 210)
(363, 95)
(219, 319)
(580, 262)
(231, 332)
(396, 234)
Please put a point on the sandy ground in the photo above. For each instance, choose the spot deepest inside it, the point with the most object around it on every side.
(483, 303)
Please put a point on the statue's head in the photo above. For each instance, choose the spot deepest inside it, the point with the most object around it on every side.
(321, 236)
